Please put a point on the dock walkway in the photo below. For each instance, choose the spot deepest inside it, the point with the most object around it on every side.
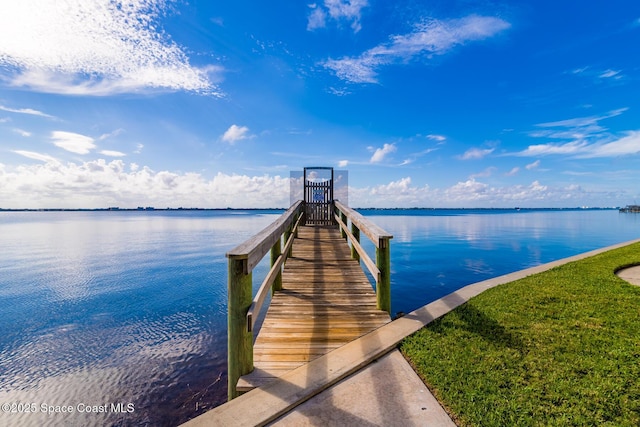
(326, 301)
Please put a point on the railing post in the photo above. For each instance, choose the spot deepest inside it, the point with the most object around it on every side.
(287, 233)
(343, 217)
(239, 341)
(356, 233)
(276, 250)
(383, 287)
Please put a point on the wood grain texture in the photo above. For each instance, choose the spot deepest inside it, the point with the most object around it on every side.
(326, 302)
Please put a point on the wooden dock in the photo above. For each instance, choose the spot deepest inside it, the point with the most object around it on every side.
(322, 298)
(326, 301)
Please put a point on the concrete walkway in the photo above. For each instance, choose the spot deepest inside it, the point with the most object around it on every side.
(387, 392)
(366, 382)
(630, 274)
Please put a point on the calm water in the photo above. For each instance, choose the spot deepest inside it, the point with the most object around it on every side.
(119, 318)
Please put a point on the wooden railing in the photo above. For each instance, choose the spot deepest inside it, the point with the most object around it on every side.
(381, 269)
(242, 309)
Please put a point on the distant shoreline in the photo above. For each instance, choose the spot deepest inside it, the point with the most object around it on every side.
(152, 209)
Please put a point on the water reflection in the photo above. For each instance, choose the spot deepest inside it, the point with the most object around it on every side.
(116, 307)
(434, 253)
(131, 307)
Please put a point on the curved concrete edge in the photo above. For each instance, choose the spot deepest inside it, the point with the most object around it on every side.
(263, 405)
(630, 274)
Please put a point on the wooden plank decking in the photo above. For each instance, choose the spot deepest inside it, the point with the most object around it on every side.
(326, 302)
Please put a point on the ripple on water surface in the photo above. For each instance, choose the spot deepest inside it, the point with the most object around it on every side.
(115, 309)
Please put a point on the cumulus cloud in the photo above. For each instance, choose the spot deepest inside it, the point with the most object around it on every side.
(343, 163)
(73, 142)
(380, 153)
(102, 183)
(473, 193)
(337, 10)
(98, 47)
(429, 38)
(235, 133)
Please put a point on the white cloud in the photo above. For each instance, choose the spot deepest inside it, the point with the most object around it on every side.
(472, 193)
(98, 47)
(36, 156)
(29, 111)
(476, 153)
(546, 149)
(22, 132)
(415, 156)
(139, 148)
(513, 171)
(623, 146)
(533, 165)
(598, 76)
(339, 91)
(588, 139)
(317, 18)
(110, 134)
(433, 37)
(626, 145)
(73, 142)
(583, 122)
(381, 153)
(100, 183)
(235, 133)
(112, 153)
(338, 10)
(484, 174)
(608, 74)
(343, 163)
(438, 138)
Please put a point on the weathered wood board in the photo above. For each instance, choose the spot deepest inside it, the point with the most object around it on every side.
(326, 302)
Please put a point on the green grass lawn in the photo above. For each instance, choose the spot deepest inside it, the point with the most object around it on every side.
(558, 348)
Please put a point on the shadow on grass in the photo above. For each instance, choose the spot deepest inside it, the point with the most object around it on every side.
(476, 322)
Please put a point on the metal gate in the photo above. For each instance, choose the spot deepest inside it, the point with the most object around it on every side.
(318, 195)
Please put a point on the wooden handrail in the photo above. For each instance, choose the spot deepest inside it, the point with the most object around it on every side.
(254, 249)
(242, 260)
(243, 308)
(375, 233)
(371, 266)
(381, 271)
(265, 287)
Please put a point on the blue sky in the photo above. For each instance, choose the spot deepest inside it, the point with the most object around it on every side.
(212, 104)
